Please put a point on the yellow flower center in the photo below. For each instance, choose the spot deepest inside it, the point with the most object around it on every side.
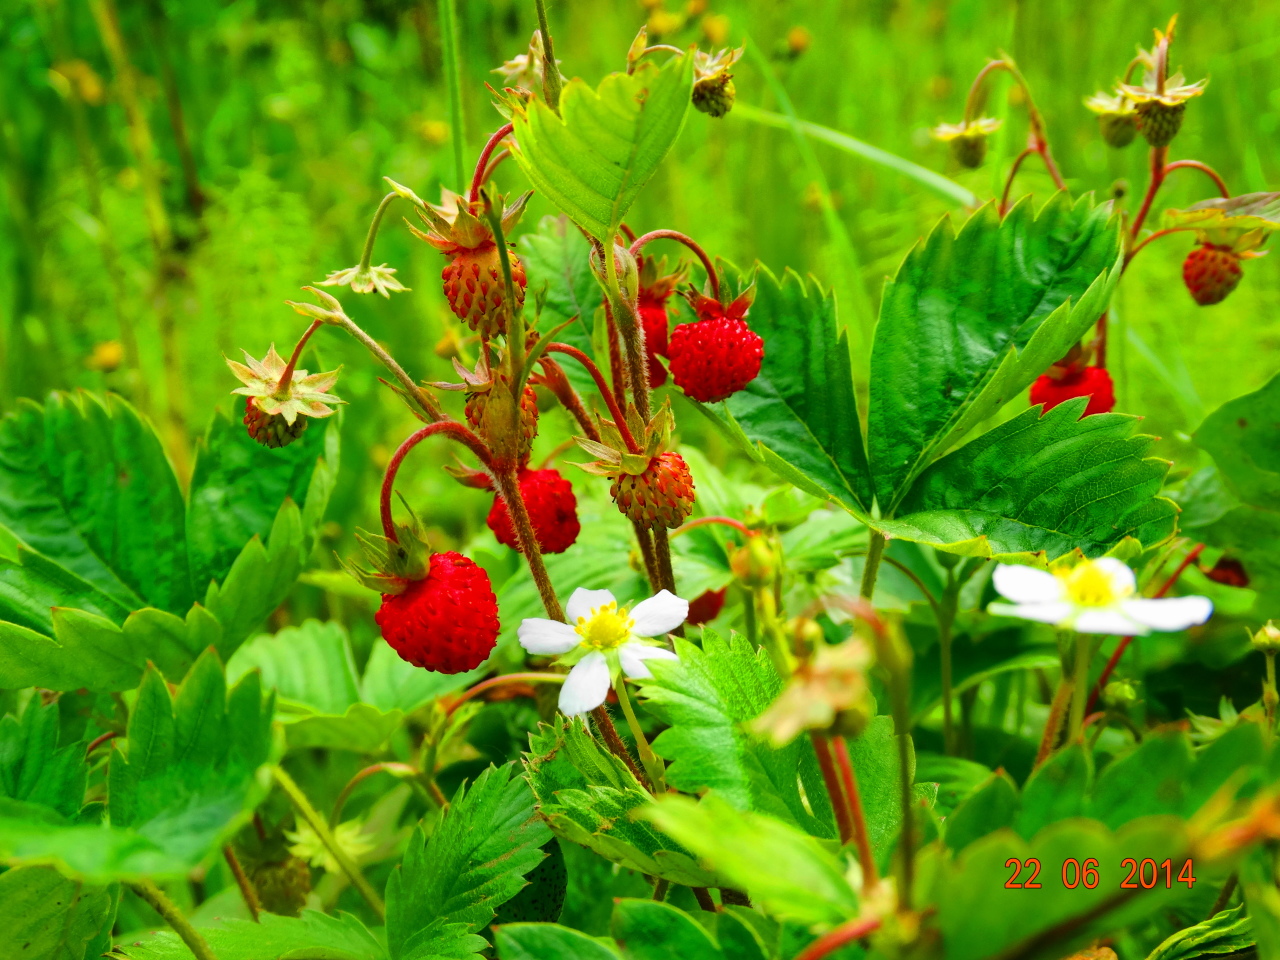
(1088, 585)
(607, 627)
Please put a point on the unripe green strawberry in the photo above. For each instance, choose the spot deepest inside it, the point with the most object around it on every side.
(1160, 122)
(477, 407)
(282, 886)
(1211, 272)
(1118, 130)
(659, 497)
(714, 96)
(271, 429)
(967, 141)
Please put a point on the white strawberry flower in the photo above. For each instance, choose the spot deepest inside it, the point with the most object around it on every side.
(1096, 596)
(602, 640)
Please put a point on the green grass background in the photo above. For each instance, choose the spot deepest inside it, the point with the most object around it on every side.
(295, 110)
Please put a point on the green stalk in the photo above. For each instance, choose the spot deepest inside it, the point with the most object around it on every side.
(1079, 685)
(366, 255)
(653, 766)
(550, 72)
(154, 896)
(453, 81)
(875, 551)
(946, 613)
(317, 823)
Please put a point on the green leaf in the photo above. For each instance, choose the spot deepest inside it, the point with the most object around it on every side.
(874, 755)
(237, 486)
(390, 683)
(650, 930)
(45, 916)
(549, 941)
(788, 873)
(971, 886)
(993, 805)
(974, 661)
(31, 585)
(800, 415)
(971, 319)
(1226, 932)
(557, 260)
(1243, 437)
(707, 698)
(185, 779)
(593, 159)
(1056, 790)
(1262, 898)
(33, 768)
(87, 484)
(1148, 780)
(312, 936)
(590, 798)
(1042, 484)
(475, 861)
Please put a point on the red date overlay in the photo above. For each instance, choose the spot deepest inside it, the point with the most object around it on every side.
(1145, 874)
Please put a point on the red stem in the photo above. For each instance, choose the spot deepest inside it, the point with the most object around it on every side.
(1042, 148)
(616, 372)
(1204, 168)
(1158, 156)
(839, 801)
(610, 400)
(1123, 645)
(478, 178)
(971, 100)
(847, 932)
(870, 877)
(1133, 252)
(1008, 184)
(703, 521)
(95, 743)
(287, 376)
(486, 685)
(493, 165)
(712, 277)
(455, 431)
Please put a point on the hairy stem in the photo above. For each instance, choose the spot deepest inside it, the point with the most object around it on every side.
(247, 893)
(614, 742)
(321, 829)
(1204, 168)
(450, 428)
(155, 898)
(286, 377)
(862, 839)
(662, 550)
(509, 489)
(835, 789)
(555, 381)
(424, 400)
(1053, 724)
(712, 278)
(875, 551)
(482, 164)
(1158, 157)
(615, 411)
(644, 538)
(391, 766)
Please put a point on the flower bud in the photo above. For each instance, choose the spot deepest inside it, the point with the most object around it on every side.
(1268, 638)
(1119, 694)
(626, 267)
(714, 95)
(755, 564)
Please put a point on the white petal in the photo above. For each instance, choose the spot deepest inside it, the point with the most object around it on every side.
(586, 686)
(659, 614)
(1123, 582)
(1173, 613)
(1027, 584)
(1108, 620)
(584, 601)
(547, 636)
(633, 655)
(1042, 612)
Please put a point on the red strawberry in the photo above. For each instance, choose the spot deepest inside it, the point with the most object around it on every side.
(1211, 272)
(653, 316)
(446, 621)
(661, 496)
(553, 511)
(715, 358)
(1229, 572)
(1091, 382)
(705, 607)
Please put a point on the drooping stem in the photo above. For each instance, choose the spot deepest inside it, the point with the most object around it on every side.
(862, 839)
(453, 81)
(712, 277)
(555, 381)
(833, 940)
(390, 766)
(971, 100)
(286, 377)
(450, 428)
(424, 400)
(835, 789)
(247, 893)
(614, 742)
(653, 766)
(1204, 168)
(478, 178)
(505, 679)
(606, 394)
(704, 521)
(321, 829)
(509, 489)
(155, 898)
(550, 72)
(875, 550)
(1053, 724)
(1133, 251)
(366, 254)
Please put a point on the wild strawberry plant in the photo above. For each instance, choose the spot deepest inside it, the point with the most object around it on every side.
(862, 687)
